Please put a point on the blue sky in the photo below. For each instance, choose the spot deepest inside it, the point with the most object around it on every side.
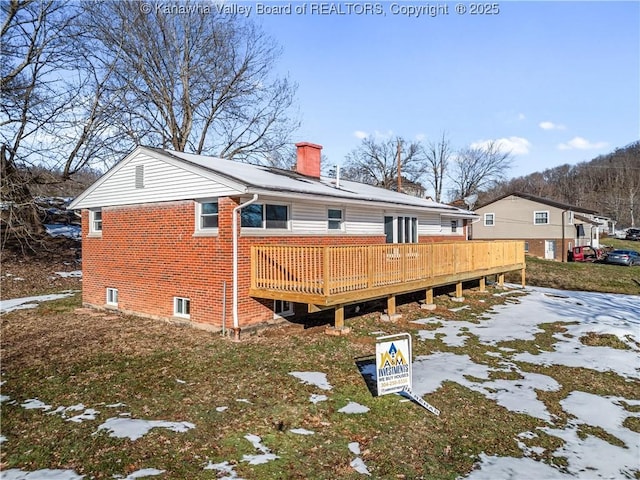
(560, 81)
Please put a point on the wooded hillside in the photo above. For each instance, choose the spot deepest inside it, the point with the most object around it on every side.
(608, 184)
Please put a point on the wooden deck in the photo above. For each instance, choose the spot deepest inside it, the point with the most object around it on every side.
(326, 277)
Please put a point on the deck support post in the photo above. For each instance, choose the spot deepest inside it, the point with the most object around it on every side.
(523, 277)
(338, 327)
(391, 305)
(429, 296)
(501, 279)
(483, 284)
(428, 300)
(339, 317)
(458, 289)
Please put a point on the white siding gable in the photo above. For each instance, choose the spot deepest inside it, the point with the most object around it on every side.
(143, 178)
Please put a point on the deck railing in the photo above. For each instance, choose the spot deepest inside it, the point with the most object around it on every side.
(306, 272)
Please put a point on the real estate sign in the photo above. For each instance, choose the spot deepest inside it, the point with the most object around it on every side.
(393, 368)
(393, 363)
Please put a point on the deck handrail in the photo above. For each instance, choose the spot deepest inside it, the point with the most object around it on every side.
(334, 270)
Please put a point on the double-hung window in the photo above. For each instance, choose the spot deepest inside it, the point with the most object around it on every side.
(541, 218)
(95, 221)
(335, 219)
(268, 216)
(489, 219)
(208, 215)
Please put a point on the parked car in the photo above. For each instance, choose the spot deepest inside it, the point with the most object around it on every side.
(633, 234)
(586, 254)
(623, 257)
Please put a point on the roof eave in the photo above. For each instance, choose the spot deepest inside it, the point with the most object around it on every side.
(288, 193)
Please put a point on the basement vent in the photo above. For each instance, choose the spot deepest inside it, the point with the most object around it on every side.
(139, 176)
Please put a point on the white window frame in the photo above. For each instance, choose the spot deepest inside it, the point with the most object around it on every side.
(526, 247)
(264, 216)
(112, 296)
(179, 304)
(200, 216)
(493, 219)
(536, 212)
(93, 222)
(454, 226)
(282, 308)
(338, 221)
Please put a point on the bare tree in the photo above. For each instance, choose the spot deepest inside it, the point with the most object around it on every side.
(83, 83)
(56, 110)
(33, 48)
(376, 163)
(437, 156)
(478, 168)
(197, 80)
(630, 179)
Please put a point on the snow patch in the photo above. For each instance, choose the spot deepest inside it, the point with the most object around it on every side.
(264, 457)
(354, 407)
(23, 303)
(144, 472)
(318, 379)
(44, 474)
(302, 431)
(134, 428)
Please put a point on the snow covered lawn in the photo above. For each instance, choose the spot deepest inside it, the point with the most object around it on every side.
(542, 386)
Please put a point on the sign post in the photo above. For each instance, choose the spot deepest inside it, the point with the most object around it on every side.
(393, 368)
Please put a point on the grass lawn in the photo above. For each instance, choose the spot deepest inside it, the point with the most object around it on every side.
(127, 367)
(590, 277)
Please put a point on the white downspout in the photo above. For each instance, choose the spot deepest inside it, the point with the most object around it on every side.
(235, 261)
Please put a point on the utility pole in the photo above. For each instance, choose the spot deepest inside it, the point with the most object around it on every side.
(398, 155)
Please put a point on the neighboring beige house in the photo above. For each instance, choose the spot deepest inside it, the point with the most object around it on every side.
(548, 228)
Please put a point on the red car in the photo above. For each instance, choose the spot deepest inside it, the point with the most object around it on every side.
(586, 254)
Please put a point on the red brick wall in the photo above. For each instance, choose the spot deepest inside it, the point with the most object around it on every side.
(150, 254)
(537, 247)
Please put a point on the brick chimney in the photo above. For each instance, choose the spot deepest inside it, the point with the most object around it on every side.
(308, 159)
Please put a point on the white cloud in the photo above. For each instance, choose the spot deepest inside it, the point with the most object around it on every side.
(521, 116)
(359, 134)
(420, 137)
(376, 135)
(580, 143)
(514, 145)
(551, 126)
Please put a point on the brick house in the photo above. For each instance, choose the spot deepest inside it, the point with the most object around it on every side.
(548, 228)
(169, 234)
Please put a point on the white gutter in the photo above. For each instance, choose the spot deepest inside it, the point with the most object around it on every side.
(235, 258)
